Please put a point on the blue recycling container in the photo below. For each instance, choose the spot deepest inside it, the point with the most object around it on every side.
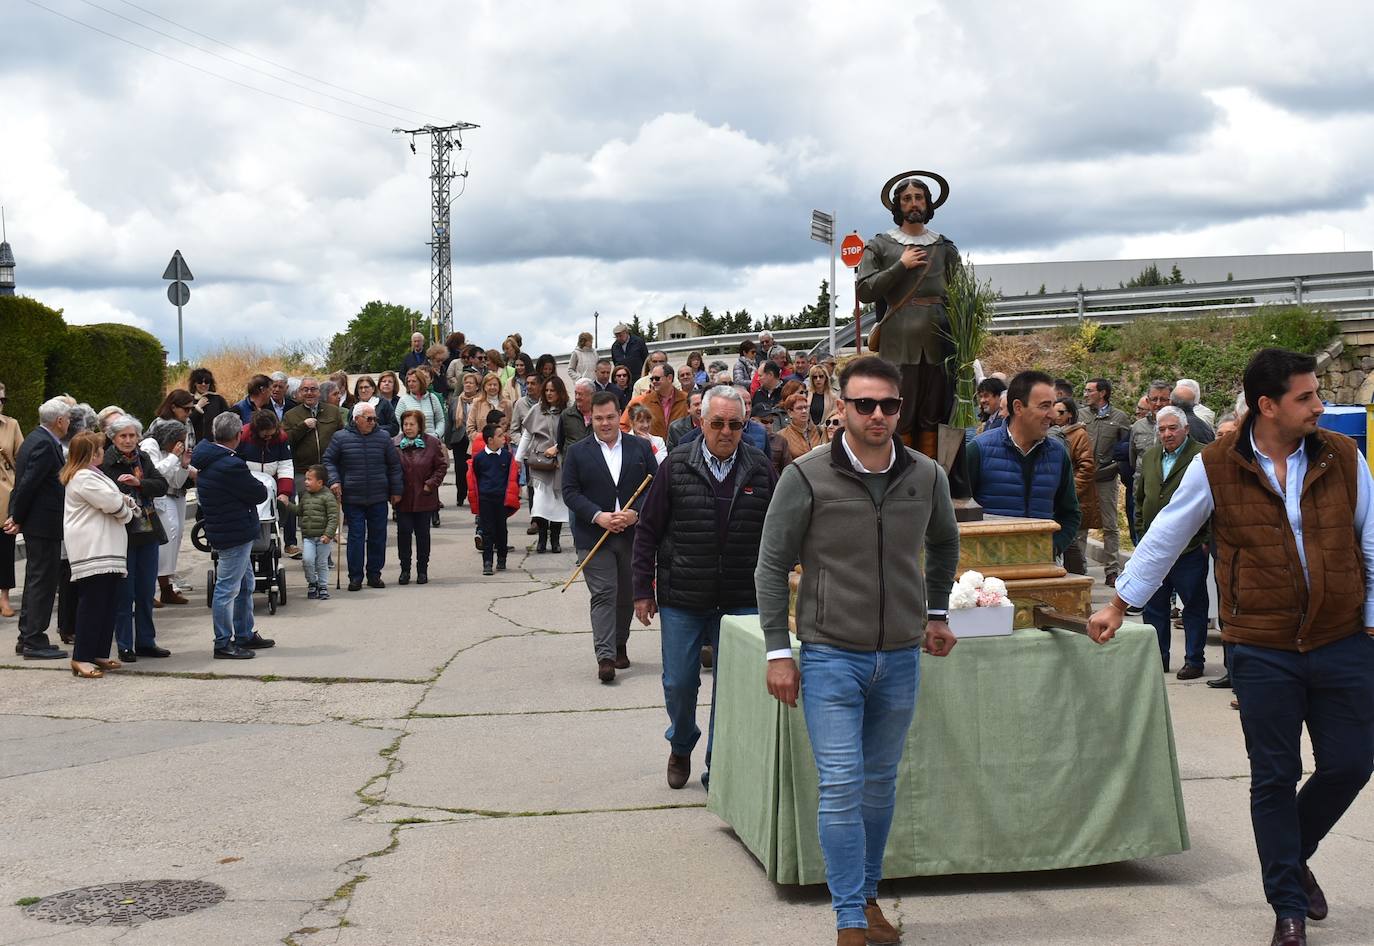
(1348, 419)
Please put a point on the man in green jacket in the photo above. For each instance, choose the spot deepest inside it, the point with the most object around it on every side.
(1158, 474)
(1107, 426)
(858, 517)
(309, 427)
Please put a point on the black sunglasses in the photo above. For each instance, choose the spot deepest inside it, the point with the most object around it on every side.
(718, 424)
(866, 405)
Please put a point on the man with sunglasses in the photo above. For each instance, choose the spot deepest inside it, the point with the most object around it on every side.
(694, 555)
(1018, 470)
(858, 517)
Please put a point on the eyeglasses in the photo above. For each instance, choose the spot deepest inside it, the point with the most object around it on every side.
(735, 425)
(866, 405)
(833, 422)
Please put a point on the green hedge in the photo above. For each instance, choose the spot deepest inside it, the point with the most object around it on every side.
(109, 363)
(30, 334)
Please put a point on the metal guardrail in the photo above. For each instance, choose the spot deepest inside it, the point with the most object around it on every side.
(1345, 295)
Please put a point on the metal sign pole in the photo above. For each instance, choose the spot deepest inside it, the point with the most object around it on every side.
(832, 286)
(858, 330)
(181, 346)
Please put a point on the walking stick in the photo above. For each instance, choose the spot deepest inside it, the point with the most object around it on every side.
(583, 564)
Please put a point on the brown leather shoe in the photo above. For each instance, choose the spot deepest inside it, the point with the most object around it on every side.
(605, 670)
(622, 659)
(880, 932)
(1316, 899)
(708, 656)
(1289, 933)
(679, 770)
(850, 937)
(1190, 672)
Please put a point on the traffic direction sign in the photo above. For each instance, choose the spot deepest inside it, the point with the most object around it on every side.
(178, 293)
(177, 269)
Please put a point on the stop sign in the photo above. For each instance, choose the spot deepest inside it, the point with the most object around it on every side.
(851, 250)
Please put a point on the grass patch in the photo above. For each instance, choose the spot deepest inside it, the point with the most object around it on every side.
(26, 901)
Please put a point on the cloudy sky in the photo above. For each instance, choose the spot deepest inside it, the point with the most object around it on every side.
(636, 158)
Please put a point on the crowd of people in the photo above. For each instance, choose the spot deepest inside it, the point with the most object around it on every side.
(793, 460)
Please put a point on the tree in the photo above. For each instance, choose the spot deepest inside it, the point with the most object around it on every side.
(710, 325)
(376, 339)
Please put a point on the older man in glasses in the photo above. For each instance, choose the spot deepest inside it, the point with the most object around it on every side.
(858, 517)
(1017, 470)
(698, 538)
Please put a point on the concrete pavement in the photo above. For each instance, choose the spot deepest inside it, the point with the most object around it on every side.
(439, 765)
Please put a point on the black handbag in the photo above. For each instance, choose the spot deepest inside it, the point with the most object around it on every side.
(148, 522)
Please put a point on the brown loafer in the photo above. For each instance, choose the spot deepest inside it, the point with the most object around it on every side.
(605, 670)
(850, 937)
(679, 770)
(880, 932)
(1289, 933)
(1316, 899)
(622, 659)
(1190, 672)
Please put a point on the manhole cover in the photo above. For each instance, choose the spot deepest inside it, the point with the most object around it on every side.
(128, 903)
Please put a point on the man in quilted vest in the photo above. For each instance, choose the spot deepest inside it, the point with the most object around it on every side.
(1290, 510)
(694, 556)
(1017, 470)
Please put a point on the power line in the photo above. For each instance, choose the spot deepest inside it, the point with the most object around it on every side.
(232, 62)
(188, 65)
(277, 65)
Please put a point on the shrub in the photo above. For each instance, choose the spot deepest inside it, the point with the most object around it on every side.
(110, 364)
(30, 333)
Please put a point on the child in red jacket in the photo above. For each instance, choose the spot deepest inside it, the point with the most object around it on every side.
(494, 492)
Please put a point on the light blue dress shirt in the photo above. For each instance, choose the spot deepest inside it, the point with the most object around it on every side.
(1170, 459)
(1178, 522)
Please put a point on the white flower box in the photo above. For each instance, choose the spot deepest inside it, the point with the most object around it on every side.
(981, 622)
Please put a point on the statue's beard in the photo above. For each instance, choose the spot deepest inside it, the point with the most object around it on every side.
(915, 216)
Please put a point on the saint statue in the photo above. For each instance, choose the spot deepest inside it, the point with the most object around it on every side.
(904, 271)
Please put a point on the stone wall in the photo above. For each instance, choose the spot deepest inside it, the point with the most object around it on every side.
(1346, 373)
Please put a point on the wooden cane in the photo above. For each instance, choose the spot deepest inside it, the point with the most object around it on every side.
(583, 564)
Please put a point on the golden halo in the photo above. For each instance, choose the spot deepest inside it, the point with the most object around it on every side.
(886, 195)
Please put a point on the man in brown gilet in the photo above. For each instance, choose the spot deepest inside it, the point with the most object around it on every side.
(1290, 515)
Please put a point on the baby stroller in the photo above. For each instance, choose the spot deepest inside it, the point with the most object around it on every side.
(269, 576)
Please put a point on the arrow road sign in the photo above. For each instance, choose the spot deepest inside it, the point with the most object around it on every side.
(177, 269)
(822, 227)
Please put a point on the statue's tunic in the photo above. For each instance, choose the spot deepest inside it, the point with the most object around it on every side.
(910, 336)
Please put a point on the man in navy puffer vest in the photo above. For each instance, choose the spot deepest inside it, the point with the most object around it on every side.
(1016, 470)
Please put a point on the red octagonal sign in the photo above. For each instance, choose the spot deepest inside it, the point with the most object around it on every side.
(852, 250)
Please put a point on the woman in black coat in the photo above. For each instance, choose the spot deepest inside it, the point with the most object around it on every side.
(206, 404)
(136, 475)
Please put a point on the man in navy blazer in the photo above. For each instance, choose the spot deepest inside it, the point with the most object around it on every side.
(600, 474)
(36, 510)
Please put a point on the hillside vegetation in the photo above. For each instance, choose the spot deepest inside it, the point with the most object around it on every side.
(1212, 350)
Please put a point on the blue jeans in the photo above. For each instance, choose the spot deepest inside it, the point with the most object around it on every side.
(684, 633)
(1332, 690)
(1188, 577)
(858, 708)
(315, 558)
(134, 600)
(366, 536)
(231, 609)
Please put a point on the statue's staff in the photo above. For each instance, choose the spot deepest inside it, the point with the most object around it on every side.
(583, 564)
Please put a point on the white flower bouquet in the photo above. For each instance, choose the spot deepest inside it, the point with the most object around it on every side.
(979, 606)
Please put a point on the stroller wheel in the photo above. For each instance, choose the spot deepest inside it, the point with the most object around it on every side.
(271, 602)
(210, 587)
(281, 587)
(198, 540)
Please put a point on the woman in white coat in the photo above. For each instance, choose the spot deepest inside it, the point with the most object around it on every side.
(166, 446)
(93, 519)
